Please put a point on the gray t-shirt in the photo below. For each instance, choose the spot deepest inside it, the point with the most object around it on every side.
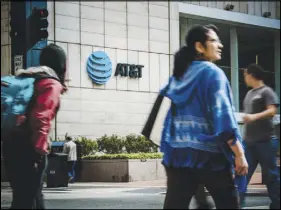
(256, 101)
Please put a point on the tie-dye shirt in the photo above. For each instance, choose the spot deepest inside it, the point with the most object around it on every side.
(204, 119)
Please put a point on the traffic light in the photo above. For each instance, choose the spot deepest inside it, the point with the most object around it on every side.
(40, 24)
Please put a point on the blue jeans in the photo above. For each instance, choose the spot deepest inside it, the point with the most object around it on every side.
(71, 169)
(264, 153)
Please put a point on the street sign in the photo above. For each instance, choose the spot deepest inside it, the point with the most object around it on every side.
(18, 62)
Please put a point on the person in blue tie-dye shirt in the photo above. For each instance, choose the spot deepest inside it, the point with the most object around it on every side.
(200, 139)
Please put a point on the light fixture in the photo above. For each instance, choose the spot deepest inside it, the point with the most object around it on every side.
(229, 7)
(266, 14)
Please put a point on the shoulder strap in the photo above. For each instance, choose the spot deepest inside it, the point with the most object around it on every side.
(174, 114)
(38, 73)
(153, 115)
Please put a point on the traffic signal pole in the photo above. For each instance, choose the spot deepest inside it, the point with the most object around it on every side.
(28, 32)
(18, 35)
(37, 31)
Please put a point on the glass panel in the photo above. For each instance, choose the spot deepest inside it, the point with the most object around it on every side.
(255, 45)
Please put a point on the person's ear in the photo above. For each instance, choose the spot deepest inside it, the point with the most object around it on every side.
(199, 48)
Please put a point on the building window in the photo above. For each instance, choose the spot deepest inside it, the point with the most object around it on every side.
(255, 49)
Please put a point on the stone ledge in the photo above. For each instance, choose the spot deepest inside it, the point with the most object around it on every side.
(122, 170)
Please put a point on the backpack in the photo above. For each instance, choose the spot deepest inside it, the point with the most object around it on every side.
(16, 94)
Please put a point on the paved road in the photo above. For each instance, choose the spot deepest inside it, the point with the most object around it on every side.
(108, 197)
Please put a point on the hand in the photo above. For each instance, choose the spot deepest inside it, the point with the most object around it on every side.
(241, 165)
(248, 118)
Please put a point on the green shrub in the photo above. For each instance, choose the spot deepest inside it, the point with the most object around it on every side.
(89, 146)
(111, 145)
(137, 143)
(124, 156)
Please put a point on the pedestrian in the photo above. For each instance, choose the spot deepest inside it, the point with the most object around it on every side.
(200, 133)
(25, 149)
(260, 106)
(70, 149)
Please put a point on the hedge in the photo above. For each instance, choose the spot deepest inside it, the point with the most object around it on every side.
(89, 146)
(124, 156)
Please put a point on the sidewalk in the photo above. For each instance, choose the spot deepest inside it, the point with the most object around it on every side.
(253, 189)
(255, 183)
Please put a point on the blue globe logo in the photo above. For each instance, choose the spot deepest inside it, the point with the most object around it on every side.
(99, 67)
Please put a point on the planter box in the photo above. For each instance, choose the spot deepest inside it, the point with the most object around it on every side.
(122, 170)
(115, 170)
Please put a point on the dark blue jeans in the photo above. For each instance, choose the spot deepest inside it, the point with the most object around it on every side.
(71, 169)
(264, 153)
(25, 179)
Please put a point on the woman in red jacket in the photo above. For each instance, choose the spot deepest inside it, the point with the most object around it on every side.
(25, 152)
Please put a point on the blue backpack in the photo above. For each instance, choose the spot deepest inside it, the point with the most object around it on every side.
(16, 93)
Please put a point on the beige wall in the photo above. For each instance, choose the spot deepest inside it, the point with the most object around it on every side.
(256, 8)
(130, 32)
(5, 39)
(134, 32)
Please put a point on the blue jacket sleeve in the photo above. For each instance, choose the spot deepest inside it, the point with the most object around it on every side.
(220, 107)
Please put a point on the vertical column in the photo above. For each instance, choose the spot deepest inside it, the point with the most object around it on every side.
(18, 35)
(234, 66)
(277, 63)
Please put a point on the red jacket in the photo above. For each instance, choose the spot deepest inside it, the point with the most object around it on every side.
(47, 100)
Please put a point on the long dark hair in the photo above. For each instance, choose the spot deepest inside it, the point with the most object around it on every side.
(54, 57)
(188, 53)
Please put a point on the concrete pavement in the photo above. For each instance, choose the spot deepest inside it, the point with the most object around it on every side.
(130, 195)
(255, 187)
(138, 195)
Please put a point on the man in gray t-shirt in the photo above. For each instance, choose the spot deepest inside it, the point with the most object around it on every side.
(259, 100)
(260, 106)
